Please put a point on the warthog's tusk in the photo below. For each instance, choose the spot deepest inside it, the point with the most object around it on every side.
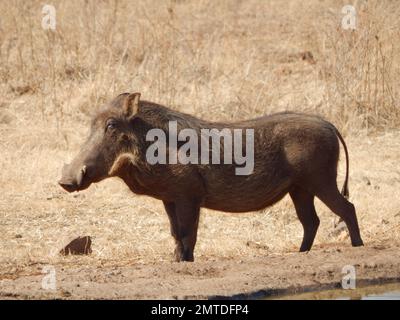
(81, 174)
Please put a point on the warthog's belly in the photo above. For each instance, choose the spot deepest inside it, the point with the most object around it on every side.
(246, 196)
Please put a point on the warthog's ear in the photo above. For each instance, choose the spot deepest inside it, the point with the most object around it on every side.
(131, 104)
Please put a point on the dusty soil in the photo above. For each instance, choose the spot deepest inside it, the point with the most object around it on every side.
(230, 278)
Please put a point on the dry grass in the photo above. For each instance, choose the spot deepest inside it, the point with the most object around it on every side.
(223, 60)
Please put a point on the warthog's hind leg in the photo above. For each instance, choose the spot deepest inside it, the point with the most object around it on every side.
(304, 203)
(335, 201)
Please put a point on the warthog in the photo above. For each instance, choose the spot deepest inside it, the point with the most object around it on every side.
(293, 153)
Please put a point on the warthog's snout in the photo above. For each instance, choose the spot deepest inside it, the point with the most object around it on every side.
(72, 182)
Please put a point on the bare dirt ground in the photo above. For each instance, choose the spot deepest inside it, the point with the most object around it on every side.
(225, 60)
(254, 277)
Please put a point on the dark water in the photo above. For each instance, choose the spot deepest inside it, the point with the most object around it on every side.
(378, 292)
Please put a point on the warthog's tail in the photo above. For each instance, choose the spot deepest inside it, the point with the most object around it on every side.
(345, 189)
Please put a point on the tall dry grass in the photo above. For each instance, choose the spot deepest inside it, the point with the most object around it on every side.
(224, 60)
(230, 59)
(360, 68)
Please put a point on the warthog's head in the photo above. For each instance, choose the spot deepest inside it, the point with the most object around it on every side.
(112, 133)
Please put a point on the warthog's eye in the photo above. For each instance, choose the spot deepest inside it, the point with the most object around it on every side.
(111, 124)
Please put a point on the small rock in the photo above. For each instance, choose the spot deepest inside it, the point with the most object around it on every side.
(80, 245)
(18, 236)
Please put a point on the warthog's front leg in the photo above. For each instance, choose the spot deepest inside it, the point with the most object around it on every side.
(174, 227)
(184, 220)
